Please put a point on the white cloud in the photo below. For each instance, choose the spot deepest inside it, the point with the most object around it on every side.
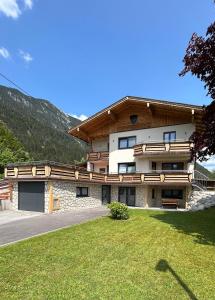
(13, 8)
(28, 4)
(4, 52)
(10, 8)
(25, 55)
(80, 117)
(209, 164)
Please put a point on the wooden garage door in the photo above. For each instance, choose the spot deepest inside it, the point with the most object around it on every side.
(31, 196)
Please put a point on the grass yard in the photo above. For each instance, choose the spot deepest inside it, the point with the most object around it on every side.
(153, 255)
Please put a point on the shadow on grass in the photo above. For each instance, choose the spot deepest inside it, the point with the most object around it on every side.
(163, 266)
(200, 225)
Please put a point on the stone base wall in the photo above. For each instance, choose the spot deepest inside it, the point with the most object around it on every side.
(14, 202)
(200, 200)
(65, 193)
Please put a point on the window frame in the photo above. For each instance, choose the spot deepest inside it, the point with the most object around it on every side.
(172, 163)
(127, 142)
(81, 194)
(127, 165)
(169, 136)
(172, 196)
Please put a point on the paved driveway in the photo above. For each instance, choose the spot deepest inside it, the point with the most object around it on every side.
(36, 224)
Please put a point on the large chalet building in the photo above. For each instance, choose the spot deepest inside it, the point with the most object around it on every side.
(139, 154)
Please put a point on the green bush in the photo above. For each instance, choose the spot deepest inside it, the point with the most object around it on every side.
(118, 211)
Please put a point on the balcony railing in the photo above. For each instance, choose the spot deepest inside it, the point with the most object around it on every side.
(163, 149)
(54, 171)
(96, 156)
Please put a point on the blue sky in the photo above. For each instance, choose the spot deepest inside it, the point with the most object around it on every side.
(82, 55)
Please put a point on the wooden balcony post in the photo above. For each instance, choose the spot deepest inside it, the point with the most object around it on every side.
(190, 177)
(5, 172)
(47, 171)
(105, 178)
(167, 146)
(162, 177)
(76, 174)
(142, 177)
(144, 148)
(121, 178)
(91, 175)
(16, 171)
(34, 171)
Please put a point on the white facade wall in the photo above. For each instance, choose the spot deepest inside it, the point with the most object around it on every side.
(183, 132)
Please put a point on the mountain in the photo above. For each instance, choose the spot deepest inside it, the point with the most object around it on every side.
(40, 127)
(205, 171)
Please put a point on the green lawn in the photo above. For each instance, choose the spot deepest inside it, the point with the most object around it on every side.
(153, 255)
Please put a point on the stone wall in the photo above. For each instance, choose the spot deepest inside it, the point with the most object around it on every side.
(200, 200)
(14, 203)
(65, 193)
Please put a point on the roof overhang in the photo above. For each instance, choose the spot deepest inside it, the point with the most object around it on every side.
(110, 114)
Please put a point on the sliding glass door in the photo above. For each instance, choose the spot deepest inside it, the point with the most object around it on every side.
(127, 195)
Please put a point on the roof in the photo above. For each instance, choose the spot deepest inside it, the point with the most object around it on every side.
(135, 99)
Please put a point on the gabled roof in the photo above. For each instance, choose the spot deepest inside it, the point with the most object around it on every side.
(79, 131)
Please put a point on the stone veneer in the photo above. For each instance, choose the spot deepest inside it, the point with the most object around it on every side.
(200, 200)
(65, 191)
(14, 202)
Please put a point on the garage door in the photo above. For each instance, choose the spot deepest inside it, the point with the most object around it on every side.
(31, 196)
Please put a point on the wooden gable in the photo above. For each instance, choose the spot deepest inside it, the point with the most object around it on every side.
(149, 115)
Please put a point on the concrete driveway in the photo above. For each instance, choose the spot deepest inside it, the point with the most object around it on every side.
(17, 226)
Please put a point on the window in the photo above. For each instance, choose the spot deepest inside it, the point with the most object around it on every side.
(127, 195)
(127, 142)
(174, 194)
(169, 136)
(173, 166)
(154, 166)
(102, 170)
(82, 191)
(126, 168)
(134, 119)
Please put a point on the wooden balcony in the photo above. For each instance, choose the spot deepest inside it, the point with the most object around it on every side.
(98, 156)
(54, 171)
(177, 148)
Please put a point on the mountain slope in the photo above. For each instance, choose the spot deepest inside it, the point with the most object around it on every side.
(11, 150)
(40, 126)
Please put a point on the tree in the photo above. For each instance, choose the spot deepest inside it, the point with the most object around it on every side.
(200, 61)
(11, 150)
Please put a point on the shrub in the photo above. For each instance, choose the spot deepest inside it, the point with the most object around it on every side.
(119, 211)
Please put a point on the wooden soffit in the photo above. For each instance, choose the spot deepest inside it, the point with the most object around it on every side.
(151, 113)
